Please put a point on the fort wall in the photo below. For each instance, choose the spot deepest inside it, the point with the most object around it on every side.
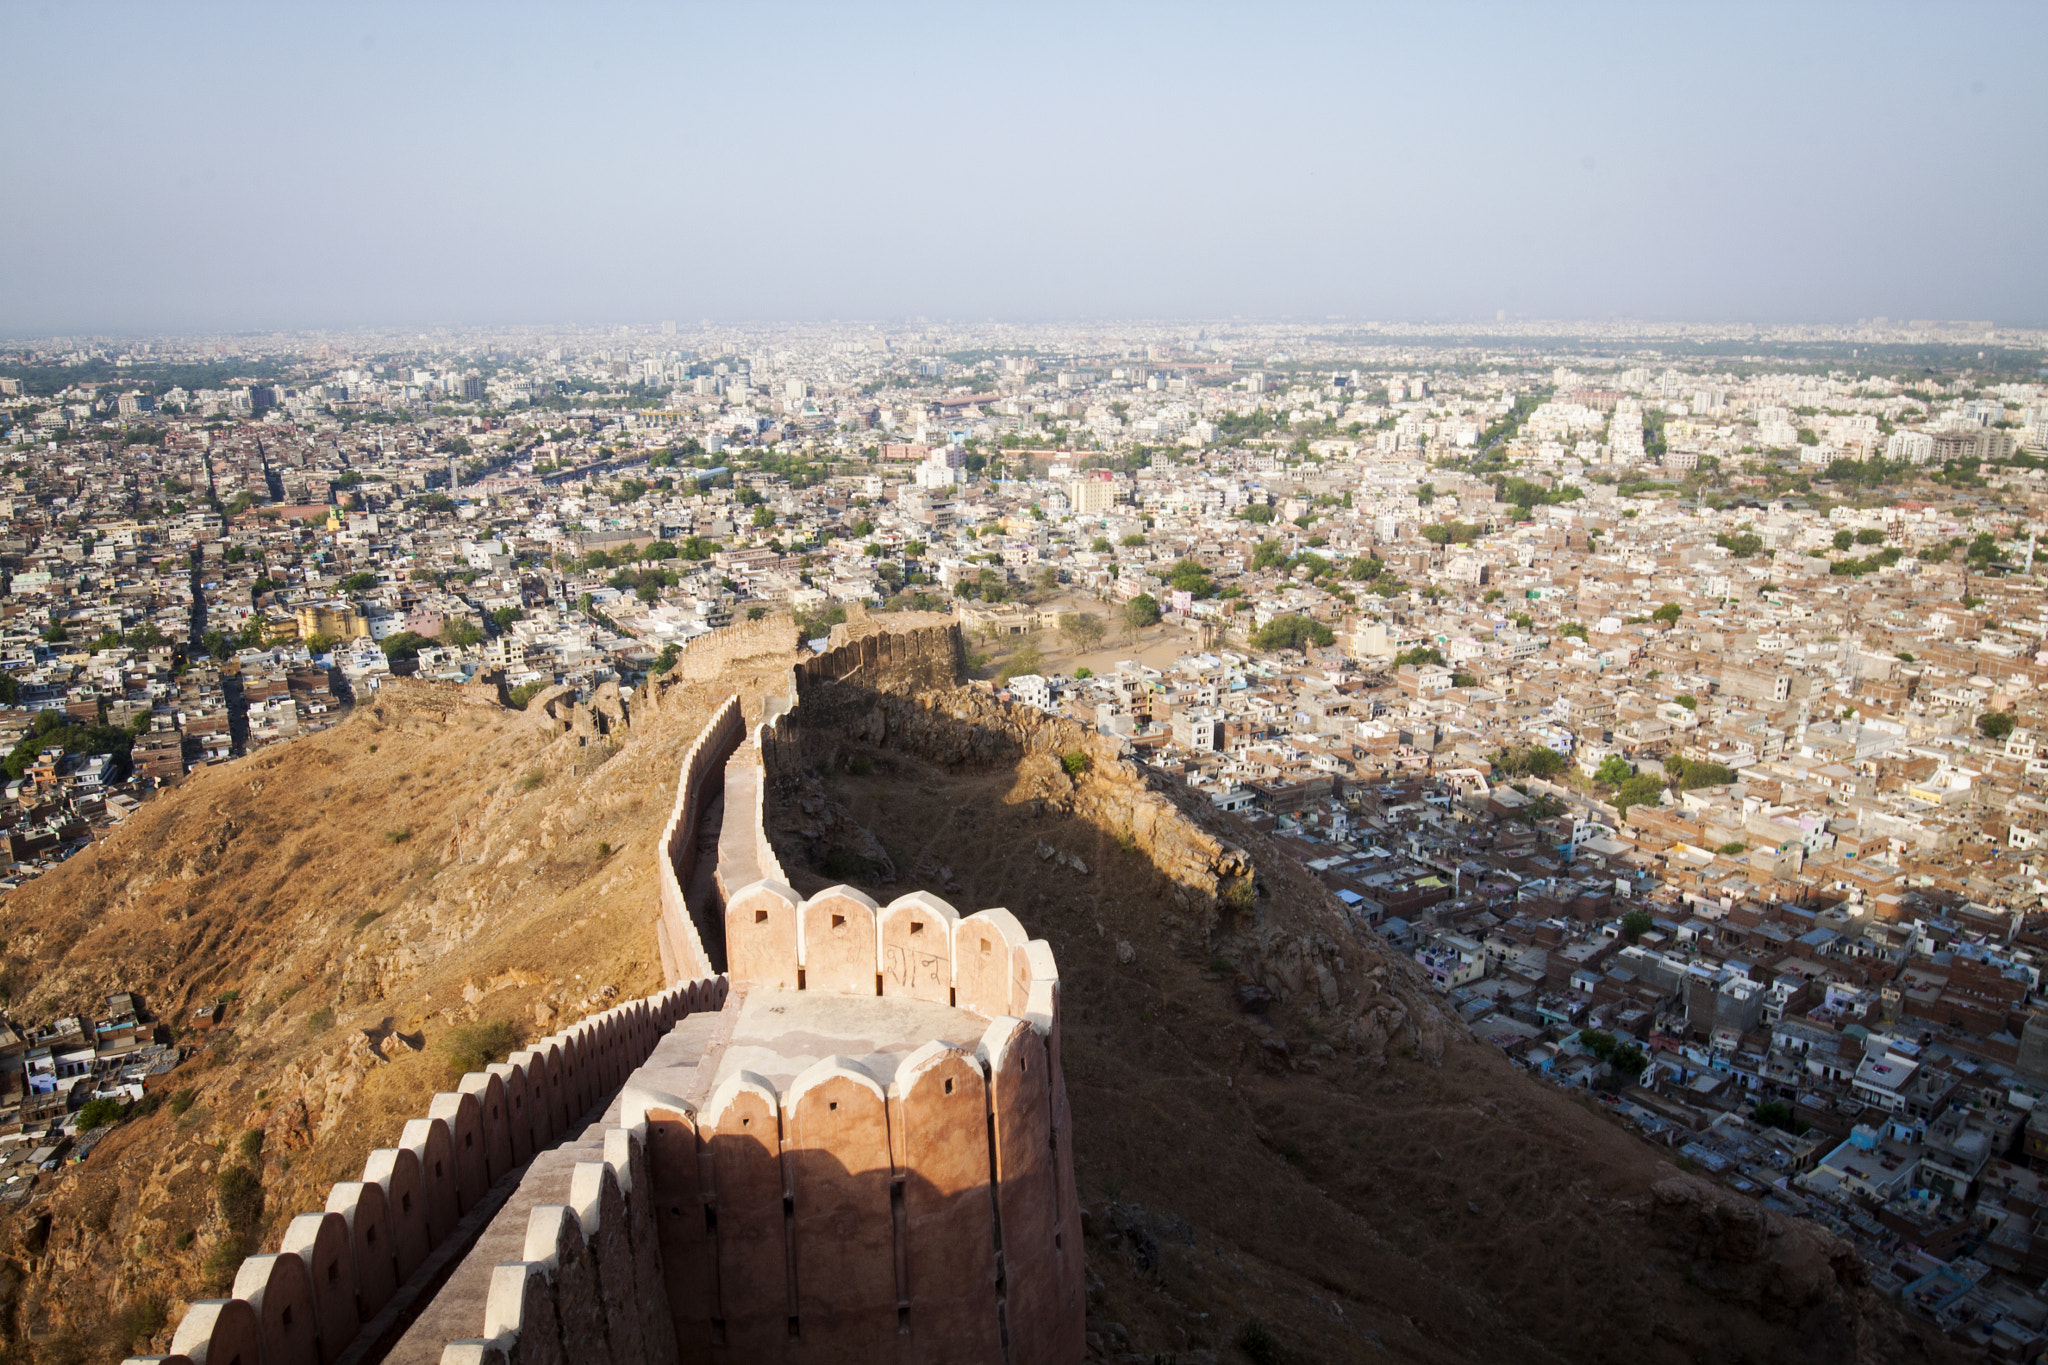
(338, 1280)
(914, 1204)
(684, 955)
(928, 1216)
(901, 692)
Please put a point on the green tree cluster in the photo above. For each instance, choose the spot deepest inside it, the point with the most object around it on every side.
(56, 730)
(1995, 724)
(1528, 760)
(1293, 631)
(1526, 495)
(1687, 774)
(1626, 1058)
(1189, 576)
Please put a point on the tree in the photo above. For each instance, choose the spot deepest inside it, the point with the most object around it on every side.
(1100, 545)
(1688, 701)
(1451, 533)
(1418, 656)
(461, 632)
(56, 730)
(1667, 613)
(1529, 760)
(698, 548)
(99, 1113)
(403, 645)
(1995, 725)
(1026, 660)
(1844, 539)
(1293, 631)
(1190, 577)
(1778, 1114)
(1142, 611)
(1636, 923)
(1613, 771)
(364, 581)
(1642, 789)
(818, 622)
(1268, 553)
(1687, 774)
(318, 644)
(1083, 629)
(1258, 513)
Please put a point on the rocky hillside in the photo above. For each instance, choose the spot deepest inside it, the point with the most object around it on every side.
(1287, 1152)
(368, 897)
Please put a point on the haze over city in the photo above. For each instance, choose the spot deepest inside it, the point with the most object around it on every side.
(1158, 685)
(237, 166)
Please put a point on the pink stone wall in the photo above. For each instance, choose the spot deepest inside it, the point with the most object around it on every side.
(335, 1271)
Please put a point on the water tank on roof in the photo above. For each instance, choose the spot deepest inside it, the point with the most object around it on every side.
(1863, 1138)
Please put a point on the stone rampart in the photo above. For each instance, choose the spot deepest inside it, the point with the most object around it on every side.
(708, 657)
(684, 955)
(901, 697)
(931, 1216)
(341, 1280)
(914, 1203)
(588, 1284)
(922, 652)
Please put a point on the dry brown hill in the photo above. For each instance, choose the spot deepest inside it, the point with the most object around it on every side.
(1350, 1170)
(1345, 1177)
(436, 860)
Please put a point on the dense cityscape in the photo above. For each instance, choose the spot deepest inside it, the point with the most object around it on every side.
(1675, 697)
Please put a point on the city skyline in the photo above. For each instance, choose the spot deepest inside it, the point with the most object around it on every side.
(196, 170)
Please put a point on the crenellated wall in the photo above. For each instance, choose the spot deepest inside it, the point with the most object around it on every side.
(928, 1215)
(915, 1207)
(860, 1151)
(334, 1284)
(684, 954)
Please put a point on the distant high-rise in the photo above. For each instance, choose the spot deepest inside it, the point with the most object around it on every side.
(668, 329)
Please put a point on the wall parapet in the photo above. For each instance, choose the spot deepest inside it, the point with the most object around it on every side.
(930, 1219)
(589, 1284)
(684, 955)
(334, 1274)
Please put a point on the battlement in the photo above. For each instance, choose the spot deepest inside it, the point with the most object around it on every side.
(855, 1144)
(342, 1281)
(684, 954)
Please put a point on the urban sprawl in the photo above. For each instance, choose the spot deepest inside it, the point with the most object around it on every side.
(1677, 697)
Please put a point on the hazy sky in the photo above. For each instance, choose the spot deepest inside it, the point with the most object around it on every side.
(277, 165)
